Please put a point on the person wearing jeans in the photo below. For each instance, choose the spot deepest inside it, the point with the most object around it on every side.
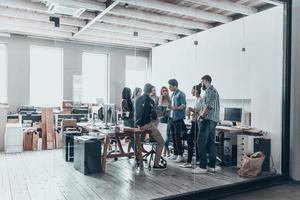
(145, 118)
(177, 115)
(164, 104)
(195, 114)
(209, 119)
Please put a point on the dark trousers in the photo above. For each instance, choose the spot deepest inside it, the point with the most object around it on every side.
(176, 130)
(206, 140)
(192, 141)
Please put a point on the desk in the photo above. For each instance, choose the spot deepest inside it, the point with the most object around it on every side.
(232, 132)
(115, 134)
(228, 158)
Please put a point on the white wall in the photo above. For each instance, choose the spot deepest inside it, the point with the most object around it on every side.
(19, 66)
(255, 74)
(295, 95)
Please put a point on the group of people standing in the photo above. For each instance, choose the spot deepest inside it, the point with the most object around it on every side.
(147, 110)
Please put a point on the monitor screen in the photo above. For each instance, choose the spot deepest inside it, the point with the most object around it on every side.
(233, 114)
(110, 113)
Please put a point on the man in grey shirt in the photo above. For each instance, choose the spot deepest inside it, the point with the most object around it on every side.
(210, 117)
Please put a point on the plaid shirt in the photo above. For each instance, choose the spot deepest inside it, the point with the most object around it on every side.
(212, 102)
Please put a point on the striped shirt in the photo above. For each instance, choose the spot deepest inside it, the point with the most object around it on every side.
(212, 102)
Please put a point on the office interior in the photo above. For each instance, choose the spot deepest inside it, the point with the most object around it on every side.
(69, 61)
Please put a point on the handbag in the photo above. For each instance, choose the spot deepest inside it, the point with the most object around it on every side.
(251, 165)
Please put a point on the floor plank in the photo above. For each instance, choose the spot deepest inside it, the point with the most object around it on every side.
(45, 175)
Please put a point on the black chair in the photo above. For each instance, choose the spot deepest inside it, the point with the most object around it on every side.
(150, 154)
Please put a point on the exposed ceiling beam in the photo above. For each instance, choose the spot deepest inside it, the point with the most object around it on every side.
(99, 16)
(146, 25)
(130, 31)
(158, 18)
(42, 17)
(273, 2)
(181, 10)
(93, 39)
(41, 25)
(227, 5)
(26, 4)
(131, 37)
(32, 31)
(133, 13)
(36, 16)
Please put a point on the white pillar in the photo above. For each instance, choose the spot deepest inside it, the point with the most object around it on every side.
(3, 119)
(295, 95)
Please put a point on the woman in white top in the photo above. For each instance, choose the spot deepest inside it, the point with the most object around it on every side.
(164, 104)
(195, 114)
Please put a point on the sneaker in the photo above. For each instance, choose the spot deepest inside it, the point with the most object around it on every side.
(159, 167)
(214, 170)
(199, 170)
(186, 165)
(179, 159)
(174, 157)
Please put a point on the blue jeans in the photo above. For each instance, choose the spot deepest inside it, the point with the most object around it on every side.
(206, 140)
(165, 120)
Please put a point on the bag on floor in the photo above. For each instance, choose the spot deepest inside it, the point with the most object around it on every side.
(251, 165)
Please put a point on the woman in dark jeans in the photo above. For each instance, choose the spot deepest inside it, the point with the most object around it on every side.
(195, 114)
(164, 104)
(127, 108)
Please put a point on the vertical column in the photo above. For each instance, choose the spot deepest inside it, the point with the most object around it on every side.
(295, 95)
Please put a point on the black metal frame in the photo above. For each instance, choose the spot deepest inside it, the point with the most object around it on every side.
(262, 182)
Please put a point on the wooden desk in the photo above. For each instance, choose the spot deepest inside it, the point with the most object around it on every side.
(116, 135)
(233, 131)
(111, 134)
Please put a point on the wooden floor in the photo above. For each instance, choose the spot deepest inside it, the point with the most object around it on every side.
(45, 175)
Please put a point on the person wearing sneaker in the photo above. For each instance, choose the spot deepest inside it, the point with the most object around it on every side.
(145, 116)
(207, 133)
(195, 114)
(164, 104)
(177, 115)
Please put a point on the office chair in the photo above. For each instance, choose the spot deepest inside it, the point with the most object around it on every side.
(151, 154)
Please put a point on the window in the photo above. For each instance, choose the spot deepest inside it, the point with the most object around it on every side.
(46, 76)
(94, 77)
(77, 88)
(3, 73)
(136, 71)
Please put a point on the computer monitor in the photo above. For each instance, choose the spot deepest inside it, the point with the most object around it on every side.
(233, 114)
(110, 113)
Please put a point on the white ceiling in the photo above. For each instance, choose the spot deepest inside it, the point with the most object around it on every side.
(134, 23)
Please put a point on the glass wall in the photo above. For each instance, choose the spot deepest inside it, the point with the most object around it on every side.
(153, 107)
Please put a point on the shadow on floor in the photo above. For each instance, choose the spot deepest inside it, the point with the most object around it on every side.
(290, 191)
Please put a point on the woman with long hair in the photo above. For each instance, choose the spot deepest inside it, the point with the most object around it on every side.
(164, 104)
(195, 115)
(127, 107)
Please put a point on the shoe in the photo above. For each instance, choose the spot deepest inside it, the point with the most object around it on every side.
(174, 157)
(159, 167)
(199, 170)
(179, 159)
(186, 165)
(214, 170)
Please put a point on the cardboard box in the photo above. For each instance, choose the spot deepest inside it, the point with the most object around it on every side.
(27, 142)
(35, 138)
(58, 140)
